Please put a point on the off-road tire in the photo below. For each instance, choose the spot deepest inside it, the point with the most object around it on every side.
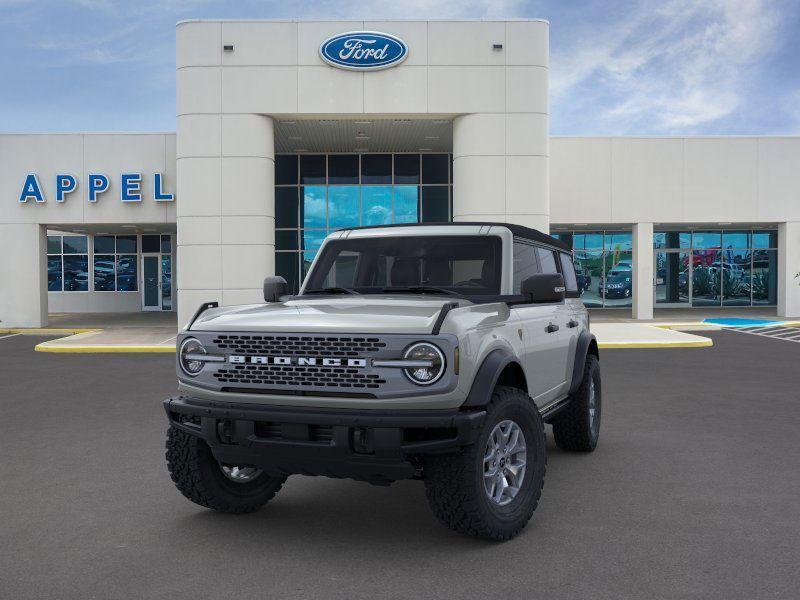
(198, 476)
(573, 429)
(454, 482)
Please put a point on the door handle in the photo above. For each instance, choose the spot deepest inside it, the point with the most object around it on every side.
(572, 323)
(551, 328)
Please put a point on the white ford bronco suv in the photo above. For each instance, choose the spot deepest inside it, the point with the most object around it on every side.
(433, 352)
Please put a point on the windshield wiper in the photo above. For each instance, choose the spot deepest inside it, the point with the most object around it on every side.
(331, 290)
(419, 289)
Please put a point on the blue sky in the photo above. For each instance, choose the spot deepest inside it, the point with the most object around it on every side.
(617, 68)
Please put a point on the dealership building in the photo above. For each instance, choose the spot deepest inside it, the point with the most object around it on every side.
(289, 130)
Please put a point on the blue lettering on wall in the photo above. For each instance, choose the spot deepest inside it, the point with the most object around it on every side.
(65, 184)
(98, 183)
(158, 195)
(363, 50)
(131, 188)
(31, 190)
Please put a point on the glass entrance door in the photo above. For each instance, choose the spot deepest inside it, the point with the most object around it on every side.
(151, 276)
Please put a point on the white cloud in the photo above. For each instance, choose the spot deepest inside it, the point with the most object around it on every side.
(669, 69)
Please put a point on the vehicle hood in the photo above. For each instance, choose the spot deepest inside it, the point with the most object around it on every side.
(350, 314)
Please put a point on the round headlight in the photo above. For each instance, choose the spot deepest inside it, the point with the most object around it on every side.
(189, 347)
(423, 351)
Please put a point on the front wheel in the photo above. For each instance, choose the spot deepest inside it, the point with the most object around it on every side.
(204, 481)
(490, 489)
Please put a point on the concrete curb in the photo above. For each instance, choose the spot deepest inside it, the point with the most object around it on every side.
(704, 343)
(100, 349)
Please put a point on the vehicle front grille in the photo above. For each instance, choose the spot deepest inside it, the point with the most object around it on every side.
(292, 376)
(293, 345)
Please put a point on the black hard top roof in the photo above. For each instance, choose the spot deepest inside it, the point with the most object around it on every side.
(527, 233)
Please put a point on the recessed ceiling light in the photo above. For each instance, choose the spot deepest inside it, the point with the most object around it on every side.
(128, 226)
(362, 136)
(441, 121)
(363, 122)
(301, 149)
(288, 122)
(329, 121)
(432, 137)
(426, 149)
(402, 121)
(361, 149)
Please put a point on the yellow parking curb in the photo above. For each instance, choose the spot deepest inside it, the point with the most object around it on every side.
(46, 347)
(704, 343)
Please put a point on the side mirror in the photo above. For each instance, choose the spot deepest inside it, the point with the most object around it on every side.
(544, 288)
(274, 288)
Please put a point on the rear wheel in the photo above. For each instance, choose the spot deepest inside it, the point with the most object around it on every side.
(577, 427)
(490, 489)
(204, 481)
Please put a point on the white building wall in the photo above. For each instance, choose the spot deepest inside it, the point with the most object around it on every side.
(275, 71)
(24, 302)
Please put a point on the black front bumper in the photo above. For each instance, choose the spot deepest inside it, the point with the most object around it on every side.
(379, 446)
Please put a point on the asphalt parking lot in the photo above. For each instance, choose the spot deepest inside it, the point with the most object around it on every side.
(694, 492)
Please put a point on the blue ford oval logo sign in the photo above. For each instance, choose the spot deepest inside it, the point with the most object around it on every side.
(363, 50)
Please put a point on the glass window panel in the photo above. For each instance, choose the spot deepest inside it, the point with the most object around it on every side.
(286, 210)
(285, 169)
(592, 241)
(672, 239)
(75, 244)
(618, 241)
(54, 244)
(54, 279)
(126, 244)
(617, 286)
(568, 270)
(706, 277)
(765, 277)
(126, 274)
(376, 205)
(525, 264)
(565, 237)
(765, 239)
(150, 243)
(735, 277)
(706, 239)
(434, 168)
(343, 206)
(406, 168)
(76, 273)
(313, 207)
(406, 204)
(103, 272)
(166, 244)
(343, 168)
(736, 239)
(286, 265)
(308, 258)
(376, 168)
(342, 272)
(547, 260)
(104, 244)
(578, 241)
(286, 239)
(589, 271)
(435, 204)
(672, 277)
(312, 240)
(312, 168)
(166, 282)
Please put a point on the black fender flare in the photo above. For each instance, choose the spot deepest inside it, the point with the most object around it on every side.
(586, 343)
(487, 375)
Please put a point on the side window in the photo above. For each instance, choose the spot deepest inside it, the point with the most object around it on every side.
(525, 264)
(568, 269)
(547, 259)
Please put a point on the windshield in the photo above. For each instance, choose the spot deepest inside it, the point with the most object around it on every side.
(466, 265)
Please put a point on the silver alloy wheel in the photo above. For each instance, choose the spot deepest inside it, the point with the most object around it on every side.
(504, 462)
(240, 474)
(592, 404)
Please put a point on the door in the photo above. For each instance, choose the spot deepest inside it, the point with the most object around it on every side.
(151, 282)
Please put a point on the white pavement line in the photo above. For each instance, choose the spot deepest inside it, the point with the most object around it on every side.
(2, 337)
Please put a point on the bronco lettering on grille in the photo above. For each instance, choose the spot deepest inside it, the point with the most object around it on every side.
(301, 361)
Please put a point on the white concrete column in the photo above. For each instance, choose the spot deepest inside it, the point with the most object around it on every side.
(501, 169)
(226, 223)
(642, 271)
(788, 267)
(23, 302)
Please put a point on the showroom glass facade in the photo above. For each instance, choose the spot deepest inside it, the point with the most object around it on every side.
(603, 265)
(316, 194)
(716, 268)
